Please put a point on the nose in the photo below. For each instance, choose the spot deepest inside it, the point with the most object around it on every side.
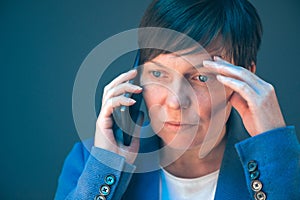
(179, 95)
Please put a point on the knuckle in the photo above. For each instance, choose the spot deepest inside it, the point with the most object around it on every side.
(238, 68)
(243, 72)
(269, 90)
(110, 92)
(123, 75)
(270, 87)
(115, 102)
(243, 86)
(109, 102)
(105, 89)
(98, 121)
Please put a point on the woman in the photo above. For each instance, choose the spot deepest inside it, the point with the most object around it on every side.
(220, 126)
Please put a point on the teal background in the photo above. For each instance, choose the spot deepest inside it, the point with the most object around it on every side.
(43, 44)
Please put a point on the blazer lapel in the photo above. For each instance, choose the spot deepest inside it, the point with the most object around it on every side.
(231, 172)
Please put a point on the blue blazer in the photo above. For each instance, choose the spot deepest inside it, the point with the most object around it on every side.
(267, 165)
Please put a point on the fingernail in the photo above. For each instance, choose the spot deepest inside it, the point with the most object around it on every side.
(132, 71)
(217, 58)
(132, 101)
(136, 87)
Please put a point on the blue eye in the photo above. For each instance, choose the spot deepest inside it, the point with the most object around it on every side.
(156, 73)
(202, 78)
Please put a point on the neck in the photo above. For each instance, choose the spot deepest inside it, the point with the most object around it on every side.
(189, 165)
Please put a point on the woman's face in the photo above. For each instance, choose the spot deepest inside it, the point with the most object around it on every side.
(185, 101)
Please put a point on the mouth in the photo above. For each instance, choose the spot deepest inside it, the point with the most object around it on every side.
(176, 126)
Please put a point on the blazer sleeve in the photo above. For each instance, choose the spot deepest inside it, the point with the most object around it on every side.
(85, 174)
(271, 163)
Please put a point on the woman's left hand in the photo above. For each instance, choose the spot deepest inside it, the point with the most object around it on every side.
(252, 97)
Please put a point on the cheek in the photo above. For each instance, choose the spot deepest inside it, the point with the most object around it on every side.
(202, 103)
(219, 94)
(153, 95)
(154, 105)
(211, 101)
(220, 107)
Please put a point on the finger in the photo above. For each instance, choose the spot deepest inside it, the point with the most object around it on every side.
(237, 72)
(120, 79)
(114, 102)
(239, 103)
(121, 89)
(219, 59)
(240, 87)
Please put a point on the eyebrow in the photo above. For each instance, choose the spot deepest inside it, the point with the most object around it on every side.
(158, 64)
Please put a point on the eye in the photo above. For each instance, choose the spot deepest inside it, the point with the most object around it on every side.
(156, 73)
(202, 78)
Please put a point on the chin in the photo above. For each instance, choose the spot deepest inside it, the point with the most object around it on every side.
(181, 141)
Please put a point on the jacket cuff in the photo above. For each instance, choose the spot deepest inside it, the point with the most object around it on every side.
(112, 160)
(275, 140)
(271, 163)
(103, 175)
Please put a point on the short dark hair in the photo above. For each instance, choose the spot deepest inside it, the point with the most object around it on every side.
(235, 22)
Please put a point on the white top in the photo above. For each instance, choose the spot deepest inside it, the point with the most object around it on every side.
(173, 187)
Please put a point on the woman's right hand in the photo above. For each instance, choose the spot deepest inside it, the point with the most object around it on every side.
(113, 96)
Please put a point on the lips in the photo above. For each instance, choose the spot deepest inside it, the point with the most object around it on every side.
(179, 123)
(175, 125)
(173, 122)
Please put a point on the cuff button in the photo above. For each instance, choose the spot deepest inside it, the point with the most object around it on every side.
(260, 196)
(254, 175)
(110, 179)
(252, 166)
(99, 197)
(256, 185)
(104, 190)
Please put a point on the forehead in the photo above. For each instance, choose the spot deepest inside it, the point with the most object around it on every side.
(185, 57)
